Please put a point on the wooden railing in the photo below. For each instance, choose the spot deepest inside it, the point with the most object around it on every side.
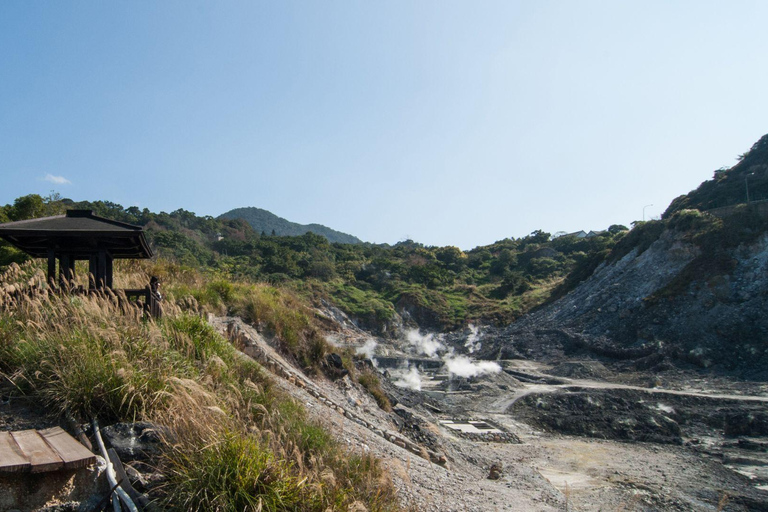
(152, 305)
(143, 298)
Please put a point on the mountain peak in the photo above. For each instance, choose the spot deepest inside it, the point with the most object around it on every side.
(264, 221)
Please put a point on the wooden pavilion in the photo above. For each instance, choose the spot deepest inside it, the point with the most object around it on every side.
(78, 235)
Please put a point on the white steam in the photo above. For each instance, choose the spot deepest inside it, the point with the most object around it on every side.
(431, 345)
(410, 379)
(368, 349)
(473, 340)
(462, 366)
(427, 344)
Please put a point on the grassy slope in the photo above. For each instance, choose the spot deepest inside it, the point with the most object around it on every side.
(86, 357)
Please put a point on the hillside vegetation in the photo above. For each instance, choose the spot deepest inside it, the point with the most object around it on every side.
(231, 439)
(745, 181)
(265, 222)
(379, 286)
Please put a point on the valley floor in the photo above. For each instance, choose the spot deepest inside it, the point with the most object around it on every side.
(572, 441)
(545, 470)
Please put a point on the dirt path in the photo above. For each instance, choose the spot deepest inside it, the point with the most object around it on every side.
(533, 371)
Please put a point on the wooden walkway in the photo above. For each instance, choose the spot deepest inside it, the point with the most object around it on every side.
(39, 451)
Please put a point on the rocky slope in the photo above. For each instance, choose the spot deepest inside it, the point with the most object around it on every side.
(686, 291)
(626, 311)
(529, 464)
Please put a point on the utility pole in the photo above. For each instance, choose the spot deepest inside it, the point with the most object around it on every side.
(644, 207)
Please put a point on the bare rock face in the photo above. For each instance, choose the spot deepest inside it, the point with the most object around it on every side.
(651, 308)
(335, 366)
(580, 370)
(603, 415)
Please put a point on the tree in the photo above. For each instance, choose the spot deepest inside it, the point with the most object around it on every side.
(27, 207)
(53, 197)
(452, 257)
(503, 262)
(538, 237)
(617, 228)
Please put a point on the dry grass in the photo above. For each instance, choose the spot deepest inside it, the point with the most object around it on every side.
(370, 381)
(233, 442)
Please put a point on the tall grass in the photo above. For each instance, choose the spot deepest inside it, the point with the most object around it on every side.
(232, 440)
(86, 356)
(235, 473)
(277, 312)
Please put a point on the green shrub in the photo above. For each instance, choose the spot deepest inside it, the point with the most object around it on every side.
(693, 220)
(640, 237)
(370, 381)
(235, 473)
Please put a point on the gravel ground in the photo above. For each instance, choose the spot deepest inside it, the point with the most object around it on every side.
(545, 471)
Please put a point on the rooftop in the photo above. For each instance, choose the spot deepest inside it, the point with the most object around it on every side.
(79, 233)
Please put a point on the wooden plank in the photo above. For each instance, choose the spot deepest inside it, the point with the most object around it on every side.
(12, 459)
(42, 457)
(74, 454)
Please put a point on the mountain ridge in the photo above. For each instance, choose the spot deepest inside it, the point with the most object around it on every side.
(685, 291)
(264, 221)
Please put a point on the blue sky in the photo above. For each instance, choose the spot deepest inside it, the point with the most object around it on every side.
(451, 123)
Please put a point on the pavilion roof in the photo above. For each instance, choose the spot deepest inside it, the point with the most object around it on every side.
(78, 233)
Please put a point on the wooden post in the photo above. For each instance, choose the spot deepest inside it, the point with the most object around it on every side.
(64, 270)
(109, 269)
(101, 278)
(51, 265)
(93, 270)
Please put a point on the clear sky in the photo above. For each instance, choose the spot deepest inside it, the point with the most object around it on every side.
(451, 123)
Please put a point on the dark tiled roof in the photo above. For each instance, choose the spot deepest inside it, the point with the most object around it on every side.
(79, 233)
(74, 220)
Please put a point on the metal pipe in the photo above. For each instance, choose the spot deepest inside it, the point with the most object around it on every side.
(111, 476)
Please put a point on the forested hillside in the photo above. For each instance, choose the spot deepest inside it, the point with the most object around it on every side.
(265, 222)
(380, 286)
